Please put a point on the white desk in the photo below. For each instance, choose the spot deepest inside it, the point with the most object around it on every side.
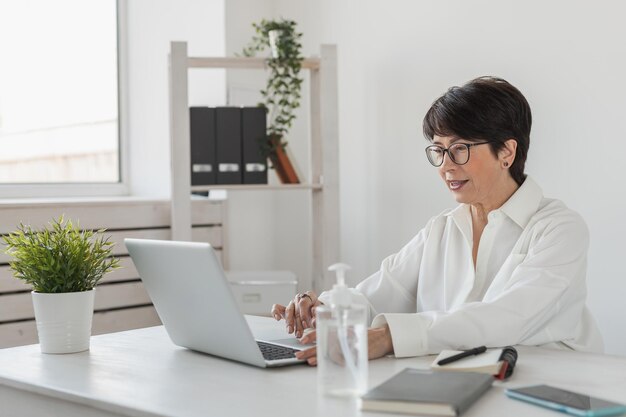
(141, 373)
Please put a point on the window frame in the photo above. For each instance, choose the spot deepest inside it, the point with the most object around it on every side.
(120, 188)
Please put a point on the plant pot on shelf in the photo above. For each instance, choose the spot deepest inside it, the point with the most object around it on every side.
(281, 162)
(274, 36)
(64, 320)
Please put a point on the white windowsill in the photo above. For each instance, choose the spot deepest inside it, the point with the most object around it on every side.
(87, 201)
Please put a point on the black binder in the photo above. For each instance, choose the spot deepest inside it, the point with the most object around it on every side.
(202, 132)
(253, 125)
(228, 141)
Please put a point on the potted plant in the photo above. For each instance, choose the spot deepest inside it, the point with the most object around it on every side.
(63, 265)
(281, 94)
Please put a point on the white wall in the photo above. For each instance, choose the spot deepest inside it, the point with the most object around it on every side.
(396, 57)
(152, 24)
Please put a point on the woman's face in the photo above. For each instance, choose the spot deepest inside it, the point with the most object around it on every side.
(481, 181)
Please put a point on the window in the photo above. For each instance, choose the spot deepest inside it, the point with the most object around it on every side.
(59, 112)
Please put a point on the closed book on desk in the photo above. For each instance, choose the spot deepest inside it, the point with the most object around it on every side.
(253, 136)
(415, 391)
(497, 362)
(228, 144)
(202, 143)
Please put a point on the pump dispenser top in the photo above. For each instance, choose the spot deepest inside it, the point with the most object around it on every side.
(340, 294)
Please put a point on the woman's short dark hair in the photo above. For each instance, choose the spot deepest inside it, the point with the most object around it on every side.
(486, 108)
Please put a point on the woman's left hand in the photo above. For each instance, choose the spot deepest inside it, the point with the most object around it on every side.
(299, 313)
(378, 345)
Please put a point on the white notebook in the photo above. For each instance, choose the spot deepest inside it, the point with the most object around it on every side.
(488, 362)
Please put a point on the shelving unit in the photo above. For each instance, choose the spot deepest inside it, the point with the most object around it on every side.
(323, 176)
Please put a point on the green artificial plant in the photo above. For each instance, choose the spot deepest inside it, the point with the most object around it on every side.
(281, 94)
(59, 258)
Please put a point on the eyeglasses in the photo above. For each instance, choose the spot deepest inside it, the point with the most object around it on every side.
(458, 153)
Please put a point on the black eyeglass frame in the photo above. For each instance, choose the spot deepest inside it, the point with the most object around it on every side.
(447, 150)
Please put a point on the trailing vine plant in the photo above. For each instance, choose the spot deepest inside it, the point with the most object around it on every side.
(281, 94)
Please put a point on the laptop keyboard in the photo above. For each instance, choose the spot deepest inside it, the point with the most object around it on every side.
(273, 352)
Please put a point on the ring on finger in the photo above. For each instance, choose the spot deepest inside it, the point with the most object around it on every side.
(300, 296)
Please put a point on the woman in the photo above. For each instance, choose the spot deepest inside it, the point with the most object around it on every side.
(505, 267)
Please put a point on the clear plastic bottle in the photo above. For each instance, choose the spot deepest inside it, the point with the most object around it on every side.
(341, 342)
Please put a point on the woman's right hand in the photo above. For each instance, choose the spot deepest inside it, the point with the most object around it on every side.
(299, 313)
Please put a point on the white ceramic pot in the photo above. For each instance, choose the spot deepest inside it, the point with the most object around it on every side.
(273, 39)
(64, 321)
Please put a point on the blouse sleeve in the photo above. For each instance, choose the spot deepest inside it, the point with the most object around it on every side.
(393, 287)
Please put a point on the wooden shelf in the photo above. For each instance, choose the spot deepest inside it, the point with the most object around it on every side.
(234, 187)
(242, 63)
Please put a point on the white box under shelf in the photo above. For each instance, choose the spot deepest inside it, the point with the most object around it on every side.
(256, 291)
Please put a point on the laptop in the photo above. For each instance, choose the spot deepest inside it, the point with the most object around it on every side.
(193, 299)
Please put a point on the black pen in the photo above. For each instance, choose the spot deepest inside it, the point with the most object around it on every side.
(476, 351)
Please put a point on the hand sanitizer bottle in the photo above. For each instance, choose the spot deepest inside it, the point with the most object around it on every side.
(341, 342)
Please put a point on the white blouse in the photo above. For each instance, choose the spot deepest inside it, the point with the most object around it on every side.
(528, 286)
